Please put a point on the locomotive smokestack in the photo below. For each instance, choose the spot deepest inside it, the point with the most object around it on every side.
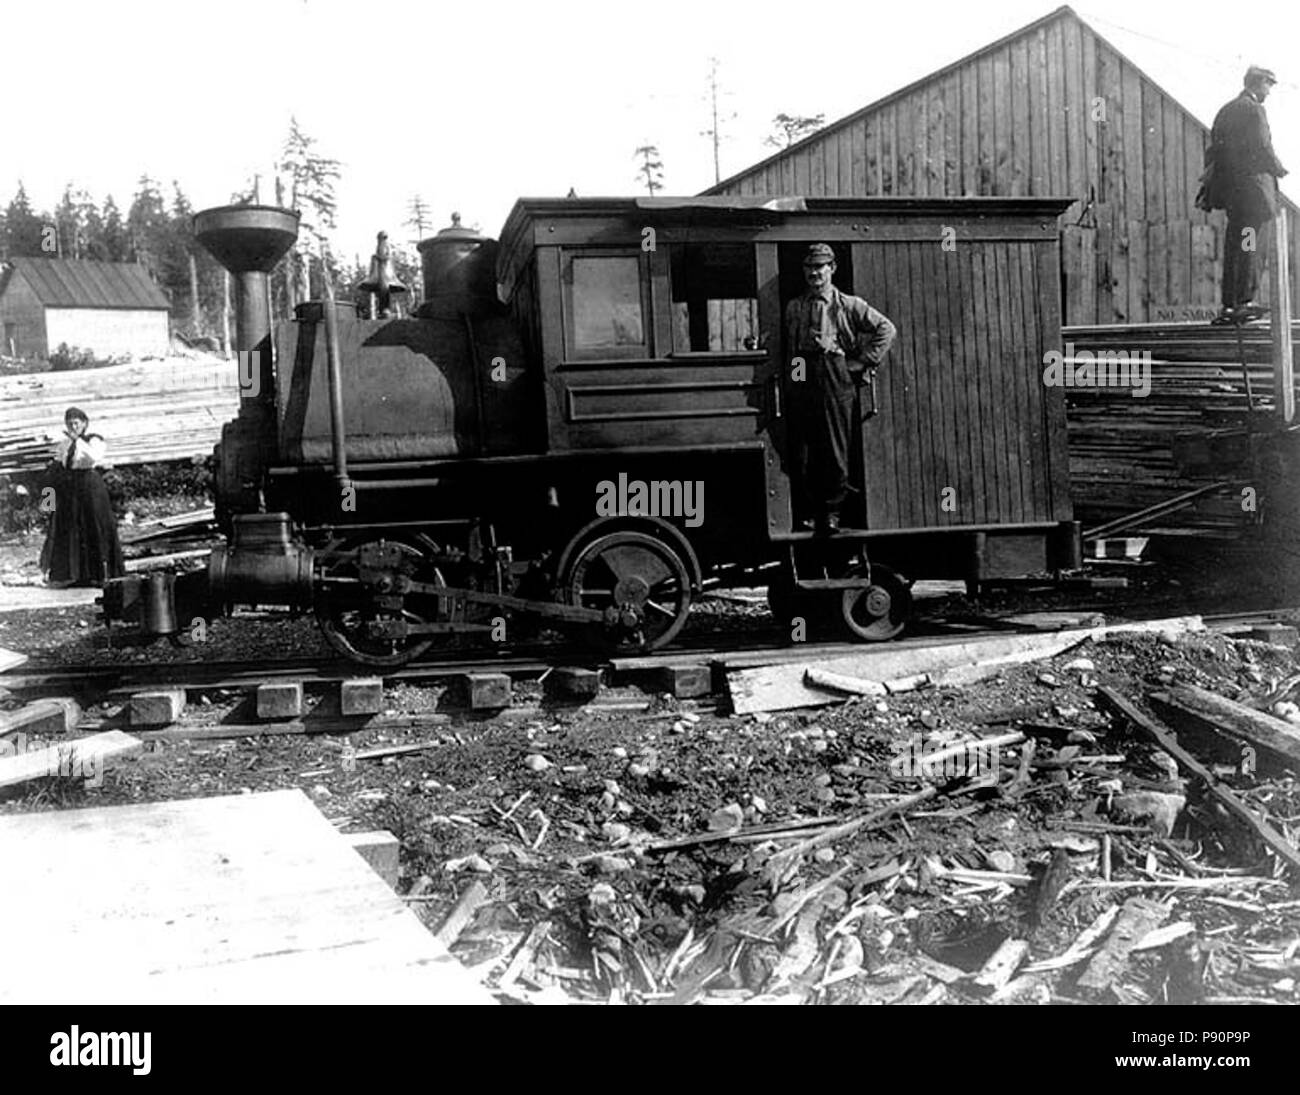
(248, 240)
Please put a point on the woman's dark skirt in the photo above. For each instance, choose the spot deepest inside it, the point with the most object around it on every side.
(82, 547)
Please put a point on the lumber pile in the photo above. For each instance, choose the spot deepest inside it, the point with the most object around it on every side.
(170, 409)
(1128, 452)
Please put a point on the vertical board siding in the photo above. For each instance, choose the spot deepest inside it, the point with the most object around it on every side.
(968, 175)
(962, 403)
(1021, 183)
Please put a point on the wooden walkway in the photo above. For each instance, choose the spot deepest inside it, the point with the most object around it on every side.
(246, 899)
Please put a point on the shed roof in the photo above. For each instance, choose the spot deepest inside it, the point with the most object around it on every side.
(85, 283)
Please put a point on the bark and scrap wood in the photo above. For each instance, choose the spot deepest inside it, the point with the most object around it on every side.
(1275, 739)
(1165, 739)
(1136, 920)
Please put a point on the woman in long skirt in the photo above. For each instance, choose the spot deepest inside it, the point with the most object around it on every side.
(82, 547)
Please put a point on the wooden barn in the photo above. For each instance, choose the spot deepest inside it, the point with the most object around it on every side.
(112, 309)
(1050, 110)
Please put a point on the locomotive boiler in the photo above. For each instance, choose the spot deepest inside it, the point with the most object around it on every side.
(585, 425)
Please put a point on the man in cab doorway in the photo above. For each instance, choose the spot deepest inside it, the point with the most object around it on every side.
(840, 339)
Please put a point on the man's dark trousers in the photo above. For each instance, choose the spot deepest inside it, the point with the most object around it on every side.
(833, 411)
(1249, 206)
(1240, 250)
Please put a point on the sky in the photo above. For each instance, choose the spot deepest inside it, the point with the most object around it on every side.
(471, 106)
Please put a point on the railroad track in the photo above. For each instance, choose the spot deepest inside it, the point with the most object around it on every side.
(532, 660)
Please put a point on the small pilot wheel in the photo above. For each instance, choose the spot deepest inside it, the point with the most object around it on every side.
(638, 582)
(880, 611)
(352, 621)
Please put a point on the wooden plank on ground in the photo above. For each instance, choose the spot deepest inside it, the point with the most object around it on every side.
(83, 758)
(1138, 918)
(10, 659)
(784, 686)
(1277, 738)
(56, 715)
(240, 899)
(1165, 738)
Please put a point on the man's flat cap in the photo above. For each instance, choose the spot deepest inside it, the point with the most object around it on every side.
(1254, 74)
(819, 253)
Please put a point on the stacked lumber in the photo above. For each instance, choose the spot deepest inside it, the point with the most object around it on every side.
(1128, 453)
(169, 409)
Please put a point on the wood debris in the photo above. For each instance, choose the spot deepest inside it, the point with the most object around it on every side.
(1166, 740)
(1275, 739)
(81, 758)
(1137, 919)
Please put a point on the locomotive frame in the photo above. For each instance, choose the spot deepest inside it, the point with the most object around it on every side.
(632, 349)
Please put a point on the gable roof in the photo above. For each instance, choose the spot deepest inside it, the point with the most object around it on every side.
(85, 283)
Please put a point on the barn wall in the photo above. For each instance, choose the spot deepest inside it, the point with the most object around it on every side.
(1052, 111)
(109, 332)
(21, 307)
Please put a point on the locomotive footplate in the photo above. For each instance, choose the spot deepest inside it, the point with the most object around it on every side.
(811, 584)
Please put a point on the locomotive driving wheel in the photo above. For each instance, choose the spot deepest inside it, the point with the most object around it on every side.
(879, 611)
(638, 581)
(364, 606)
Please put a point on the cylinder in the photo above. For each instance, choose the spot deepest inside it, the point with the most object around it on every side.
(262, 565)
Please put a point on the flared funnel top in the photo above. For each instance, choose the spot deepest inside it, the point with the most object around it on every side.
(247, 238)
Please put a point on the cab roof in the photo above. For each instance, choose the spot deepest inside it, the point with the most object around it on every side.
(611, 221)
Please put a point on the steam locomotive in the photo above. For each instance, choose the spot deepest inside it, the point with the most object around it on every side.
(584, 425)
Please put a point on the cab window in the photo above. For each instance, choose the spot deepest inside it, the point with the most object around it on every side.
(715, 298)
(605, 305)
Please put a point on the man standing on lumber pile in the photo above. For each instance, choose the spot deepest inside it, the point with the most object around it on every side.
(1241, 173)
(841, 340)
(82, 547)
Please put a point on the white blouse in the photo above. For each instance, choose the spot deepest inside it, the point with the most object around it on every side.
(89, 453)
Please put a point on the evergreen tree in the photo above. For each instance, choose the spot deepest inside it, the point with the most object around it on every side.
(22, 228)
(69, 225)
(789, 128)
(147, 227)
(116, 244)
(419, 217)
(93, 228)
(651, 171)
(180, 246)
(311, 179)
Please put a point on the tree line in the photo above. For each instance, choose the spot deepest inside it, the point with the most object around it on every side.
(157, 232)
